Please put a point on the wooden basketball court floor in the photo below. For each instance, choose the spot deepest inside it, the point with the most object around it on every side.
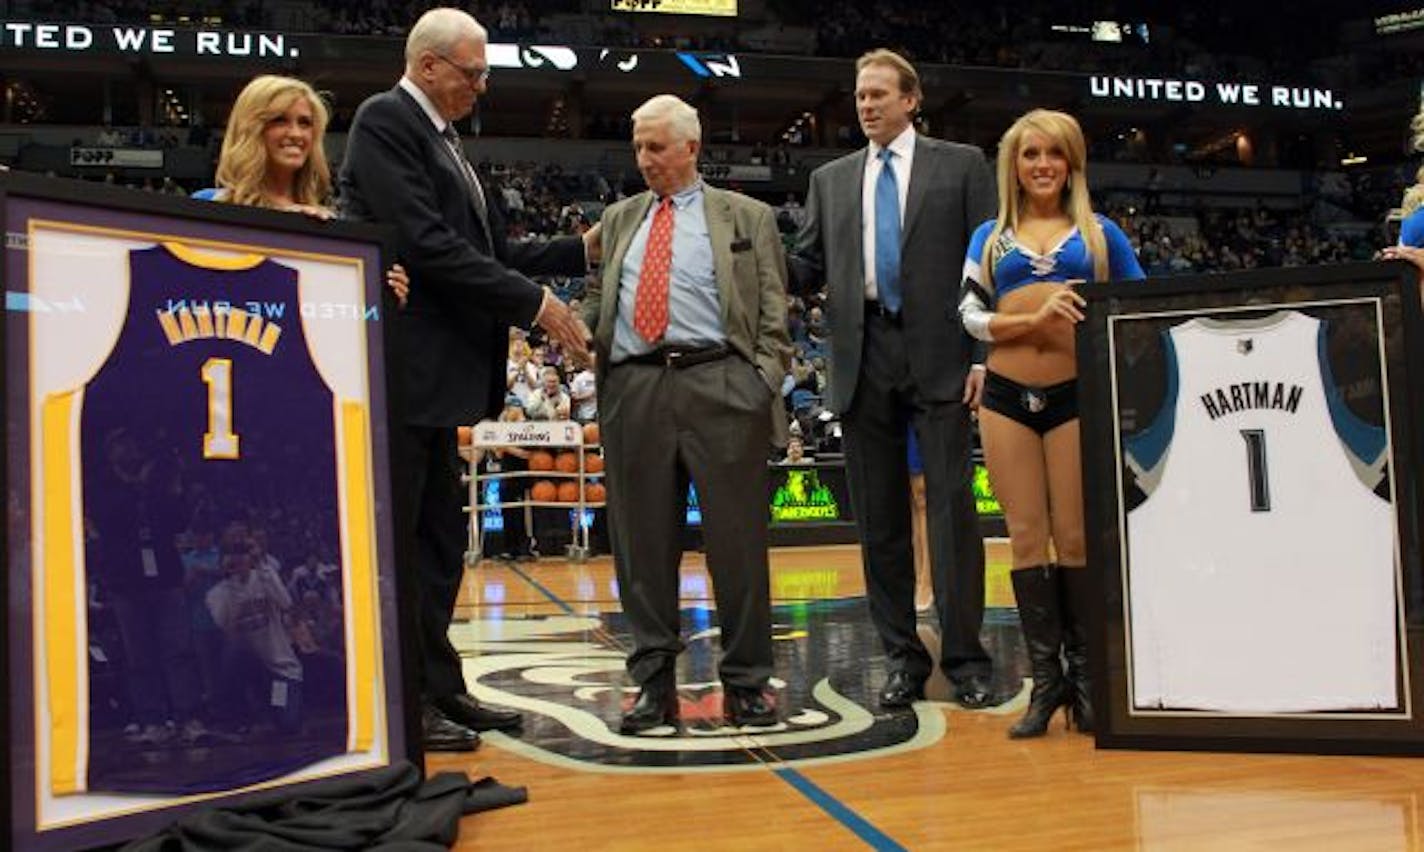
(839, 773)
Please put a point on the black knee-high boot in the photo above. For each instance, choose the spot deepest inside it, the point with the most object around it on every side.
(1077, 602)
(1039, 602)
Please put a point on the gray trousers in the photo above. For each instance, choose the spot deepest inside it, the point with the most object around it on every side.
(709, 423)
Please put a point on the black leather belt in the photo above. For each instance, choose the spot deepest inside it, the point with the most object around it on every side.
(679, 356)
(874, 308)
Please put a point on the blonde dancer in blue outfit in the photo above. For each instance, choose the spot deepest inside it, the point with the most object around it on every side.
(1018, 297)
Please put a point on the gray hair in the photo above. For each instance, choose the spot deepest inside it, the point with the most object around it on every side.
(439, 30)
(680, 116)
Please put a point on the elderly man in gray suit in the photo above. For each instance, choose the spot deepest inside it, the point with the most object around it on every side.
(886, 230)
(689, 324)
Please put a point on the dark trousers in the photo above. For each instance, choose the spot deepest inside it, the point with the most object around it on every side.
(248, 689)
(885, 406)
(661, 426)
(427, 470)
(159, 665)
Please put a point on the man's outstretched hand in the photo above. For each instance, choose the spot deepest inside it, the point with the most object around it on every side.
(564, 327)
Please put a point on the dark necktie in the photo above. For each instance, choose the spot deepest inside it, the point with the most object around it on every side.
(472, 181)
(887, 234)
(650, 304)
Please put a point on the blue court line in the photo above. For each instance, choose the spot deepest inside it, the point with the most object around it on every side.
(557, 601)
(873, 837)
(858, 825)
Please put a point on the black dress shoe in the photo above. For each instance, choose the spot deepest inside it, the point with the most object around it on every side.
(973, 692)
(440, 734)
(902, 689)
(747, 707)
(465, 710)
(656, 706)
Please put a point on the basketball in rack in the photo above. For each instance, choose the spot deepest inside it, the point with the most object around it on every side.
(566, 459)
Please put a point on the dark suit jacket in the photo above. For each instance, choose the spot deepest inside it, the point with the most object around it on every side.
(453, 335)
(951, 192)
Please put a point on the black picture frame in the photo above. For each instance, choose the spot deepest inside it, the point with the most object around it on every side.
(361, 251)
(1394, 292)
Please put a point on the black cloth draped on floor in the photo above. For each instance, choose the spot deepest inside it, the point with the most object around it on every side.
(388, 809)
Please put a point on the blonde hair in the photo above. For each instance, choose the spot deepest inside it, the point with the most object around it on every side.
(1063, 131)
(242, 165)
(1414, 195)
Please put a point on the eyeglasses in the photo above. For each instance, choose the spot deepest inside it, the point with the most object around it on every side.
(473, 75)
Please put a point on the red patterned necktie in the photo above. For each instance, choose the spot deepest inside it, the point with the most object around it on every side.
(650, 306)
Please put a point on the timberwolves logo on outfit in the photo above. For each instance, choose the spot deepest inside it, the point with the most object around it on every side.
(1262, 564)
(212, 366)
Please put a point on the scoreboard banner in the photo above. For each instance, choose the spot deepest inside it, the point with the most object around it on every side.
(201, 588)
(133, 158)
(1250, 456)
(713, 8)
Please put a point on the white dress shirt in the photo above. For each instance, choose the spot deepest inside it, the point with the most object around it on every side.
(904, 148)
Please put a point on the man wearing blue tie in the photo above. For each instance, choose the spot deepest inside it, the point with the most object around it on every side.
(885, 232)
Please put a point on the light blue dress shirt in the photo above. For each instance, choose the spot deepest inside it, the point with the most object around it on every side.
(694, 307)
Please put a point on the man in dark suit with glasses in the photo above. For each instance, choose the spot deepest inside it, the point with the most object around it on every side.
(405, 167)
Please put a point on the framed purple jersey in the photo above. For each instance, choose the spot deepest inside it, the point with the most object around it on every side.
(203, 402)
(205, 567)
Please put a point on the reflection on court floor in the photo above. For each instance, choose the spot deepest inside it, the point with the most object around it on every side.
(837, 772)
(567, 674)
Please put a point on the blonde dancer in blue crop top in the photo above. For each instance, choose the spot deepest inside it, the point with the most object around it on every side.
(1018, 297)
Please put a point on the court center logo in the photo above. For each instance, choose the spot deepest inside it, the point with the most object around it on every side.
(566, 674)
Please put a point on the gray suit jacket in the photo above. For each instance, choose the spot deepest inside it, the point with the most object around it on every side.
(951, 192)
(751, 279)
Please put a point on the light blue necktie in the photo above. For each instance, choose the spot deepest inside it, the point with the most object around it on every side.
(887, 234)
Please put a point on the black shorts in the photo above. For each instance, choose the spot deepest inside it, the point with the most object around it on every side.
(1040, 409)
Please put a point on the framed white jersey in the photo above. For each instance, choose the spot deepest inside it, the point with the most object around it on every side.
(1237, 602)
(1252, 514)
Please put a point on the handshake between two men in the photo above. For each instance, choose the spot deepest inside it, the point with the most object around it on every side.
(558, 320)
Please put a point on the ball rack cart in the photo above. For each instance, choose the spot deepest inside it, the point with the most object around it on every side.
(554, 436)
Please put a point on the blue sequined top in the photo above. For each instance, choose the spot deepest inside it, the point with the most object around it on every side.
(1017, 265)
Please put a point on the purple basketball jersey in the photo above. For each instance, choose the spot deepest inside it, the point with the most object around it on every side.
(209, 412)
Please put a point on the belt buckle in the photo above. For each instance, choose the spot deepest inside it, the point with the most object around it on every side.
(670, 357)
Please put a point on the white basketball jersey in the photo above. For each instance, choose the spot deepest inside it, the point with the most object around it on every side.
(1262, 568)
